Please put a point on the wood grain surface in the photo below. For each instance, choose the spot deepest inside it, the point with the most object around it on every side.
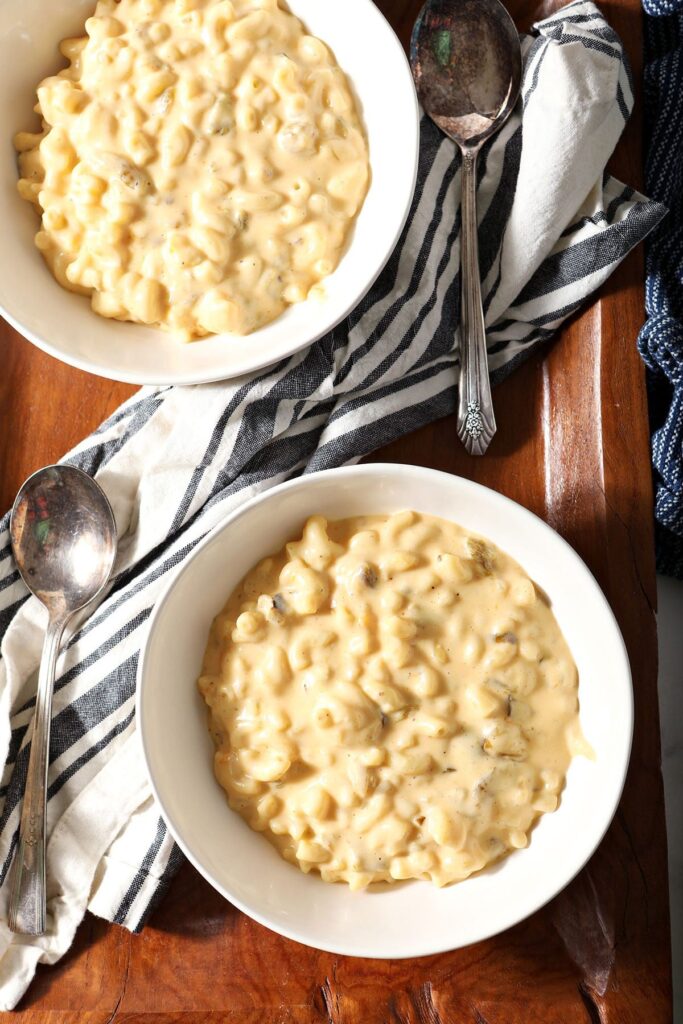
(572, 445)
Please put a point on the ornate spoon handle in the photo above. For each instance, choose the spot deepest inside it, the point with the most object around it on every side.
(476, 422)
(27, 902)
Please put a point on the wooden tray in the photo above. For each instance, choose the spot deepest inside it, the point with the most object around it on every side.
(572, 445)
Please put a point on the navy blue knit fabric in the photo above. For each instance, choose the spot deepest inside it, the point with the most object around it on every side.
(661, 339)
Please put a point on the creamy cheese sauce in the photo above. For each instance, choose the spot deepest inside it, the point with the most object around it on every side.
(390, 697)
(199, 165)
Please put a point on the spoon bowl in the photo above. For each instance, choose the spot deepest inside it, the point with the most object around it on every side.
(467, 66)
(466, 60)
(63, 537)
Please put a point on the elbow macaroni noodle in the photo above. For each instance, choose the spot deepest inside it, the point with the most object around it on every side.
(390, 698)
(199, 165)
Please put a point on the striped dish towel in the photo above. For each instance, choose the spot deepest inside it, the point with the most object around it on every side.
(175, 461)
(661, 339)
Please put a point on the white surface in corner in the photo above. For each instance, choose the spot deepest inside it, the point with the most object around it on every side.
(670, 625)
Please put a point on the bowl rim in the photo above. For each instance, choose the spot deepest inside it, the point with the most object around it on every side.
(204, 376)
(557, 883)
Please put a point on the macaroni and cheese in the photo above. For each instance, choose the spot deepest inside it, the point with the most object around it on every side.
(390, 697)
(199, 166)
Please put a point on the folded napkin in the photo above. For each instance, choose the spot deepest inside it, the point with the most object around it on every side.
(661, 339)
(175, 461)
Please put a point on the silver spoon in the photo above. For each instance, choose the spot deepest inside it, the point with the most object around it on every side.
(467, 65)
(64, 542)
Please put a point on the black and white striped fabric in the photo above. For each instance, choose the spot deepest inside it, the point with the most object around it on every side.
(175, 461)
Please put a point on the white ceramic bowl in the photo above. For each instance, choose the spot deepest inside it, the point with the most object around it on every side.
(63, 324)
(240, 863)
